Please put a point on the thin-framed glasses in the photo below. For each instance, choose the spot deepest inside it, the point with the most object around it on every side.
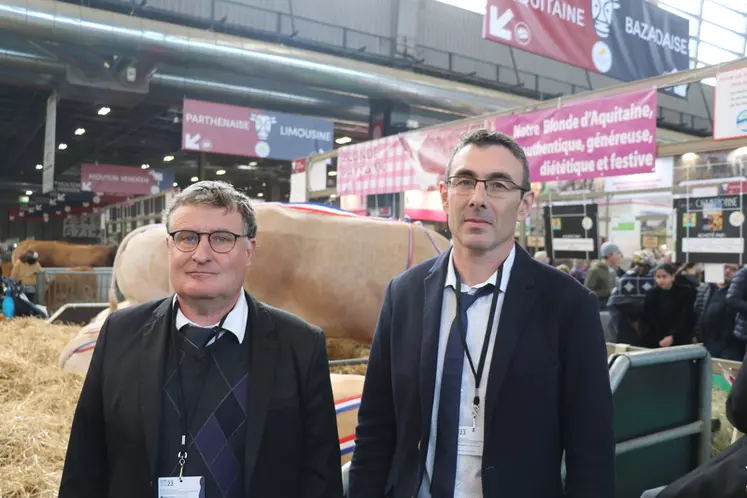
(221, 241)
(465, 185)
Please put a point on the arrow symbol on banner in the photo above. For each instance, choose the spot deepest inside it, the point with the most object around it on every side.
(498, 25)
(85, 186)
(192, 141)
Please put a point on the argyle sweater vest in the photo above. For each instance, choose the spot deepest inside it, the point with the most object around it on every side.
(216, 391)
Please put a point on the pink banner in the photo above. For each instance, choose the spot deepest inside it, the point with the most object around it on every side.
(125, 180)
(612, 136)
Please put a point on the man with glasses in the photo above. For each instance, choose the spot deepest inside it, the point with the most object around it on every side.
(480, 392)
(208, 393)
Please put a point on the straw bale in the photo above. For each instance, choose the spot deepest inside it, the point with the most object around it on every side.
(37, 402)
(343, 349)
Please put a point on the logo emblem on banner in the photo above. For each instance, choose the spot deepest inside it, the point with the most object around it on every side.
(602, 12)
(263, 124)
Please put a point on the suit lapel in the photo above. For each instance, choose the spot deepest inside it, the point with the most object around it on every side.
(517, 305)
(153, 356)
(433, 300)
(262, 344)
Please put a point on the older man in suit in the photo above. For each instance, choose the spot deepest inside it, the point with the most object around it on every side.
(480, 392)
(208, 393)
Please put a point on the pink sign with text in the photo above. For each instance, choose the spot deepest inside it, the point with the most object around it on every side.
(611, 136)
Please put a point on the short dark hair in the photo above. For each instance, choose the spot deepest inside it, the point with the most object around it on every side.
(667, 267)
(484, 138)
(217, 194)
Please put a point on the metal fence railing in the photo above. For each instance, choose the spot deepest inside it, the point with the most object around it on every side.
(236, 18)
(56, 287)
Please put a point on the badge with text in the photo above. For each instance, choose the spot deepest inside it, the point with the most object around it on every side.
(470, 440)
(185, 487)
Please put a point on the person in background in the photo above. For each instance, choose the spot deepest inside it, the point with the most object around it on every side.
(714, 325)
(626, 302)
(542, 257)
(688, 275)
(602, 277)
(578, 271)
(564, 269)
(668, 311)
(736, 299)
(26, 272)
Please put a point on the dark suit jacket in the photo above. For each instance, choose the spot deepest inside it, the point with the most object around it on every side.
(723, 476)
(292, 446)
(548, 389)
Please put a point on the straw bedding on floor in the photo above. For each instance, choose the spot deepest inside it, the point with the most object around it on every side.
(37, 401)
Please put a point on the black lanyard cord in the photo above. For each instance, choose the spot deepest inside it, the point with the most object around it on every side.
(463, 333)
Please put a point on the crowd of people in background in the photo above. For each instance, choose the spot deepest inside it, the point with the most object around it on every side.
(657, 304)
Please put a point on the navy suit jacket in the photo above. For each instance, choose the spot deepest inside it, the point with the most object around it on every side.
(548, 389)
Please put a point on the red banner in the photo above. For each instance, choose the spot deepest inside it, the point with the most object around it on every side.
(123, 180)
(564, 31)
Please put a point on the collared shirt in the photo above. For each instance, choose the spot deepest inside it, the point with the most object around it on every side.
(468, 472)
(235, 321)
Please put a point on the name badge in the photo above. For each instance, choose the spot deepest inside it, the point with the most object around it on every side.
(186, 487)
(470, 440)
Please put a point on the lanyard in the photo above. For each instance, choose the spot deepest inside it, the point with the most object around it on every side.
(182, 455)
(484, 353)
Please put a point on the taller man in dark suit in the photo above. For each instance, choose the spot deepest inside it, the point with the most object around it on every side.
(485, 405)
(208, 393)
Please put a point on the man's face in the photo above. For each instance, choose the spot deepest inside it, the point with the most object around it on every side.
(614, 259)
(478, 221)
(204, 273)
(729, 272)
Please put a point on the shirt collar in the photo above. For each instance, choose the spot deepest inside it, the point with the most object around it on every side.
(235, 321)
(507, 265)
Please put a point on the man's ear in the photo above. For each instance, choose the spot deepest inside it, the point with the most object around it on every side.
(525, 205)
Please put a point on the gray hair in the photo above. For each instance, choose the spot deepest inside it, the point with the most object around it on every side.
(484, 138)
(216, 194)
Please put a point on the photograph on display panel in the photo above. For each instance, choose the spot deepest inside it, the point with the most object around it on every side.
(710, 229)
(571, 232)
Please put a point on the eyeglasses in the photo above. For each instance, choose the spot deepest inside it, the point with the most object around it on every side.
(221, 241)
(465, 185)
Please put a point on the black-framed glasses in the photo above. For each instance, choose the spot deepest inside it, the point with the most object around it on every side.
(465, 185)
(221, 241)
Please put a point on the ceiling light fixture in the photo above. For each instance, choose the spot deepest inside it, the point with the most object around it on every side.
(39, 166)
(193, 179)
(62, 146)
(168, 158)
(145, 166)
(343, 140)
(260, 194)
(253, 163)
(29, 192)
(174, 184)
(220, 172)
(80, 131)
(332, 173)
(103, 111)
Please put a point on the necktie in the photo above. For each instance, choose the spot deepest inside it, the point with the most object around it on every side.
(444, 464)
(199, 336)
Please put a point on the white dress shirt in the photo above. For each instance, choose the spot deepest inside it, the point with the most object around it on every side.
(235, 321)
(468, 468)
